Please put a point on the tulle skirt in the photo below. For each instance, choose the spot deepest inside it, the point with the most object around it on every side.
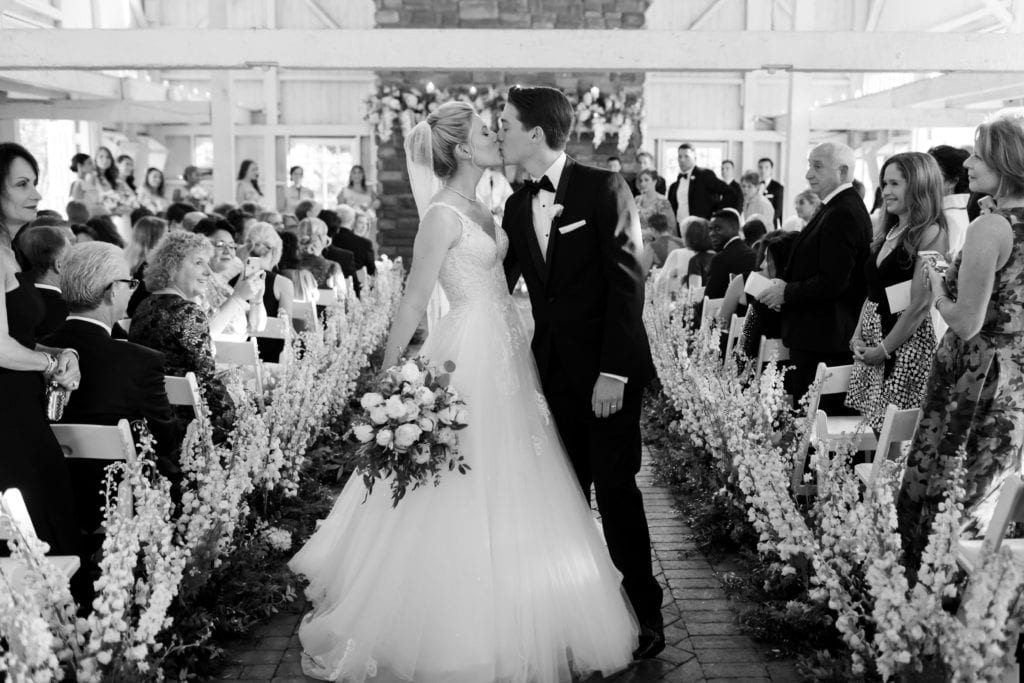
(497, 575)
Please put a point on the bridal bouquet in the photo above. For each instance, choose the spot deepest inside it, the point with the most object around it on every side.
(408, 428)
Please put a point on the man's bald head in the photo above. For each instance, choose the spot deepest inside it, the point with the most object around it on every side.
(829, 165)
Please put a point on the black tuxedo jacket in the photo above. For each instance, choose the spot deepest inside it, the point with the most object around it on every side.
(775, 192)
(361, 248)
(825, 277)
(119, 380)
(708, 193)
(737, 192)
(56, 311)
(347, 260)
(588, 293)
(735, 259)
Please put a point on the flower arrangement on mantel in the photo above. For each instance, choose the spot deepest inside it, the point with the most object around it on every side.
(600, 113)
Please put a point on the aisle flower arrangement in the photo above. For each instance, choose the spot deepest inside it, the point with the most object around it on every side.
(156, 557)
(842, 546)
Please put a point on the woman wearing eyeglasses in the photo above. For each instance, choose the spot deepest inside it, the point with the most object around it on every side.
(235, 310)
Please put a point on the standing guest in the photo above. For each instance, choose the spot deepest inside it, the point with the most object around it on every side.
(973, 412)
(697, 191)
(772, 189)
(760, 320)
(85, 188)
(755, 204)
(263, 243)
(41, 248)
(753, 230)
(822, 289)
(615, 164)
(247, 189)
(357, 194)
(656, 251)
(31, 459)
(649, 202)
(120, 380)
(146, 234)
(806, 204)
(106, 170)
(729, 178)
(126, 171)
(295, 193)
(151, 194)
(892, 351)
(77, 212)
(955, 194)
(646, 161)
(734, 257)
(193, 193)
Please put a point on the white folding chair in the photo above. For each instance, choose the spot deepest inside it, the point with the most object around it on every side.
(328, 297)
(12, 568)
(898, 428)
(709, 311)
(832, 380)
(244, 354)
(184, 391)
(1009, 508)
(767, 348)
(277, 328)
(98, 442)
(735, 328)
(304, 312)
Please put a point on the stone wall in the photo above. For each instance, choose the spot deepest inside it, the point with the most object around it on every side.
(397, 216)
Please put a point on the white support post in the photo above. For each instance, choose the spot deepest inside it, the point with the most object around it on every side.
(8, 127)
(268, 165)
(222, 124)
(798, 125)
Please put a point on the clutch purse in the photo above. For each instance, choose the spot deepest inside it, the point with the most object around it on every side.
(56, 399)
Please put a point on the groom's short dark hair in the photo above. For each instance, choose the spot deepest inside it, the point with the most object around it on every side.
(546, 107)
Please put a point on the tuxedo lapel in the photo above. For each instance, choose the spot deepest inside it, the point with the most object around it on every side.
(525, 220)
(558, 221)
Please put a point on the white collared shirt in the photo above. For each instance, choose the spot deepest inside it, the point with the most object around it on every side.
(683, 196)
(543, 204)
(94, 321)
(52, 288)
(726, 245)
(826, 199)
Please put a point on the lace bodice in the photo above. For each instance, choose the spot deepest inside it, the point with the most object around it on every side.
(472, 272)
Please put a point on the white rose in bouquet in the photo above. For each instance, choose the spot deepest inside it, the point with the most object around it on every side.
(411, 373)
(371, 400)
(446, 415)
(421, 455)
(364, 433)
(462, 416)
(426, 424)
(412, 411)
(446, 436)
(379, 415)
(394, 407)
(384, 438)
(406, 435)
(425, 397)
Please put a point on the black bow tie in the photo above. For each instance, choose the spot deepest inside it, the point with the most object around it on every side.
(535, 186)
(683, 176)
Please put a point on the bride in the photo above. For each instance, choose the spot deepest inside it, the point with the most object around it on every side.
(498, 575)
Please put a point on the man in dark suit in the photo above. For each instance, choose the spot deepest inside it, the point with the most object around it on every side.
(733, 256)
(39, 249)
(119, 379)
(361, 247)
(581, 263)
(822, 289)
(729, 178)
(697, 191)
(771, 188)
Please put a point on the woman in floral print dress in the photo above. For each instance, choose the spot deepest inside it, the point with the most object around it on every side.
(974, 406)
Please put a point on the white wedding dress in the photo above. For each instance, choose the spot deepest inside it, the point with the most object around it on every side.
(497, 575)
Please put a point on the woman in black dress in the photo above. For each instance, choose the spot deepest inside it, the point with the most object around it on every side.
(263, 242)
(31, 459)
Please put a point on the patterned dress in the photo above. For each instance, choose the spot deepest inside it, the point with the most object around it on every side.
(975, 402)
(901, 379)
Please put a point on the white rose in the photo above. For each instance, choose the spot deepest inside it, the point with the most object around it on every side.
(425, 397)
(446, 436)
(422, 455)
(384, 437)
(394, 407)
(410, 372)
(371, 400)
(462, 416)
(445, 415)
(379, 415)
(426, 424)
(406, 435)
(363, 433)
(412, 411)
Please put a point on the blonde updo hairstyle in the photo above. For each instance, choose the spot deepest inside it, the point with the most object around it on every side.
(449, 125)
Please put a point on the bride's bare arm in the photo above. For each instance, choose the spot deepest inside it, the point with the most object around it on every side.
(438, 231)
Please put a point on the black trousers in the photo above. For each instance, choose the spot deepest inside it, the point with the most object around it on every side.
(804, 364)
(605, 454)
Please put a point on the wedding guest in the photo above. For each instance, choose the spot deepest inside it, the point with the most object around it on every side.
(106, 170)
(728, 170)
(753, 230)
(170, 320)
(85, 189)
(349, 266)
(892, 350)
(697, 191)
(733, 256)
(295, 193)
(102, 229)
(646, 161)
(291, 222)
(151, 194)
(760, 320)
(273, 218)
(973, 412)
(234, 310)
(126, 171)
(263, 243)
(247, 189)
(240, 220)
(312, 235)
(193, 218)
(193, 193)
(755, 204)
(176, 212)
(656, 252)
(346, 238)
(146, 234)
(307, 208)
(120, 380)
(954, 193)
(649, 202)
(806, 204)
(698, 240)
(821, 291)
(358, 194)
(41, 248)
(772, 189)
(290, 266)
(138, 214)
(77, 212)
(31, 460)
(615, 164)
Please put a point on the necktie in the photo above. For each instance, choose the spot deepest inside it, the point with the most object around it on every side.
(535, 186)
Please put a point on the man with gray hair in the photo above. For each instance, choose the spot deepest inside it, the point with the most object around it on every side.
(360, 247)
(821, 292)
(119, 379)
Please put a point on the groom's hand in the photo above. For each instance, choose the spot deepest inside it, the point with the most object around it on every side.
(607, 397)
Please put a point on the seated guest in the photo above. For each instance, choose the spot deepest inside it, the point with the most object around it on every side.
(146, 234)
(78, 212)
(240, 220)
(312, 243)
(119, 379)
(176, 213)
(102, 229)
(170, 320)
(40, 249)
(760, 320)
(734, 257)
(263, 243)
(138, 214)
(361, 246)
(273, 218)
(290, 266)
(656, 252)
(349, 266)
(191, 220)
(307, 208)
(235, 310)
(753, 230)
(290, 221)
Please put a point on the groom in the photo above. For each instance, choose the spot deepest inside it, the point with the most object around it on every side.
(574, 235)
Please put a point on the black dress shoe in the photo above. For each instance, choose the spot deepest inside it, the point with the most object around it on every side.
(650, 642)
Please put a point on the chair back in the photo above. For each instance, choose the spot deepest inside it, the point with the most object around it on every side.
(767, 348)
(1009, 508)
(709, 311)
(328, 297)
(96, 442)
(735, 329)
(245, 354)
(898, 428)
(184, 391)
(696, 282)
(277, 328)
(828, 380)
(304, 313)
(15, 506)
(695, 294)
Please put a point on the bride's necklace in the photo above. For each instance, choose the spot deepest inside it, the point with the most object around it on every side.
(471, 200)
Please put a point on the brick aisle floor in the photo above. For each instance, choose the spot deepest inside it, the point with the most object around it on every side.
(705, 642)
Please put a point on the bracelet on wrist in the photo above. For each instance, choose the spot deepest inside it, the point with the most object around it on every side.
(881, 343)
(72, 351)
(51, 363)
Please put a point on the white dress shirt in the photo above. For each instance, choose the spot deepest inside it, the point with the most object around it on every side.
(543, 204)
(827, 198)
(683, 197)
(94, 321)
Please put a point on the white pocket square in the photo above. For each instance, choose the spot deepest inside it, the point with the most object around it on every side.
(565, 229)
